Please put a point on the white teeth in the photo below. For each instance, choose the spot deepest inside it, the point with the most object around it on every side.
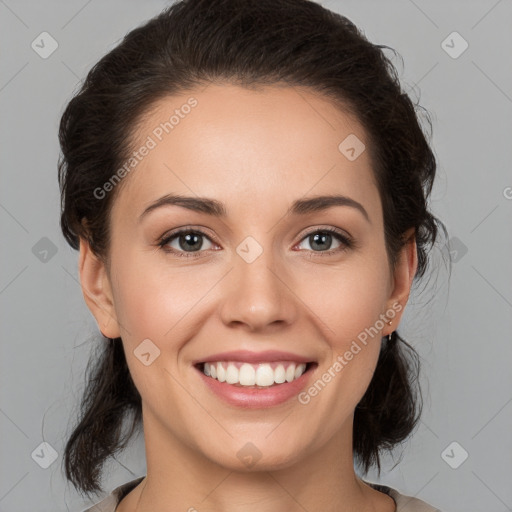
(279, 374)
(254, 374)
(232, 374)
(290, 373)
(247, 375)
(298, 372)
(264, 375)
(221, 373)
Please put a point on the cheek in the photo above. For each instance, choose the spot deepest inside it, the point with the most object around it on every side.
(159, 303)
(351, 298)
(350, 307)
(152, 305)
(151, 299)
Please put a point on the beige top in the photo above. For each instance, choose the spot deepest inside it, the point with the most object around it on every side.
(403, 503)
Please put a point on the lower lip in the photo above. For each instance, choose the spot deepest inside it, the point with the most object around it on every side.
(247, 397)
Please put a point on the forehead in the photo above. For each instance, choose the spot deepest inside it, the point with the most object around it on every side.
(272, 144)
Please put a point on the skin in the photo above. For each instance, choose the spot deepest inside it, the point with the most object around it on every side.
(256, 151)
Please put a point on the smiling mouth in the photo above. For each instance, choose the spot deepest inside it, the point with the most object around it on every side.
(259, 375)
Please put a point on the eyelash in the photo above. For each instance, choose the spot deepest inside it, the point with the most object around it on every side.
(347, 242)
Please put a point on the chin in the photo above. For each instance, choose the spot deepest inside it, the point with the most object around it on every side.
(254, 456)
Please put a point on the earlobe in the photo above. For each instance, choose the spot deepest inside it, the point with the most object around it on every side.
(97, 290)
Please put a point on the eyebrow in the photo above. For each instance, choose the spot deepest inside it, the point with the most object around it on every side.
(217, 209)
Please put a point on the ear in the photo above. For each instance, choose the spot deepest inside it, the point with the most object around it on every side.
(403, 276)
(97, 290)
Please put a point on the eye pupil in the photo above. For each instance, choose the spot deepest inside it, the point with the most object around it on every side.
(319, 238)
(192, 239)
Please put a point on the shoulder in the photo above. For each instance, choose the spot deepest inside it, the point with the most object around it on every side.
(110, 502)
(403, 502)
(410, 504)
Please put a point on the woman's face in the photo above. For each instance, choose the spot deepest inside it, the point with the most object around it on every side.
(255, 273)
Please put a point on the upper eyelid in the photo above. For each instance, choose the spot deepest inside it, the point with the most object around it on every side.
(187, 229)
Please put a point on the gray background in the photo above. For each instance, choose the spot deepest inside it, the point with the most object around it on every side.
(462, 335)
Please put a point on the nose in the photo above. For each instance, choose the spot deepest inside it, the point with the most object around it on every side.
(258, 296)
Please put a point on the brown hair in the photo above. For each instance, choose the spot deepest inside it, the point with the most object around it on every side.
(247, 42)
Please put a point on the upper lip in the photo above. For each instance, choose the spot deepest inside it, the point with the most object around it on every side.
(254, 357)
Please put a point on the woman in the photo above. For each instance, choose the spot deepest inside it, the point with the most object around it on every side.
(247, 186)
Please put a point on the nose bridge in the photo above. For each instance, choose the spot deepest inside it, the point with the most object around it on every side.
(258, 295)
